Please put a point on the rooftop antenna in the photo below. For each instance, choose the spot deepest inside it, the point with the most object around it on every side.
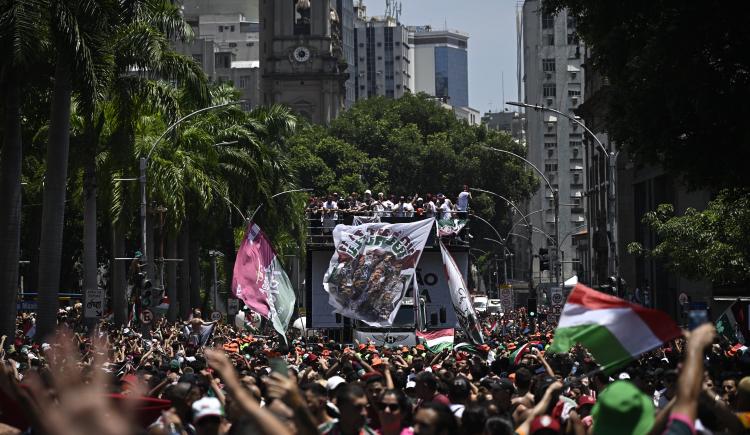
(398, 11)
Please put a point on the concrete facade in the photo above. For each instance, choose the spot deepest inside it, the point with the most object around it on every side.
(226, 43)
(553, 78)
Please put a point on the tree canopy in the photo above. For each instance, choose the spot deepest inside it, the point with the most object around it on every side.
(678, 78)
(406, 146)
(713, 244)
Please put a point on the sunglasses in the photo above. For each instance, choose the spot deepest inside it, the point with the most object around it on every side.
(393, 407)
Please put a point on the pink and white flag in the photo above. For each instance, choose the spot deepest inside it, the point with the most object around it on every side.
(253, 259)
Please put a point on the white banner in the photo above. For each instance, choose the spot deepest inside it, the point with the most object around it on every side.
(467, 317)
(372, 267)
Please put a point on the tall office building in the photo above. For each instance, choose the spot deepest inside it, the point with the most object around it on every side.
(383, 56)
(441, 64)
(553, 78)
(345, 11)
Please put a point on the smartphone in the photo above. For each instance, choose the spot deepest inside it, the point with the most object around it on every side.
(279, 366)
(696, 318)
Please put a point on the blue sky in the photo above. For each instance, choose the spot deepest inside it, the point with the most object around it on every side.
(491, 25)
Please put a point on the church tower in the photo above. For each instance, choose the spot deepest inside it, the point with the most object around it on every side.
(301, 58)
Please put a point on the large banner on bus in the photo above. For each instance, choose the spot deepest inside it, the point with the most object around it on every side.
(372, 267)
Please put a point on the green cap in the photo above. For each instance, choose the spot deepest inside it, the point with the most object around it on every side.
(622, 409)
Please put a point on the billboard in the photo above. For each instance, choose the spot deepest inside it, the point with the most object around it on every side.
(431, 281)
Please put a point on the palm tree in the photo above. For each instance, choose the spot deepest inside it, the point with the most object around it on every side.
(142, 53)
(19, 44)
(78, 29)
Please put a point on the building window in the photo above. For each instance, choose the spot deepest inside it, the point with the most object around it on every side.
(221, 28)
(244, 82)
(550, 144)
(576, 178)
(380, 44)
(548, 21)
(548, 90)
(574, 92)
(232, 44)
(550, 153)
(548, 65)
(549, 39)
(550, 167)
(572, 38)
(231, 28)
(575, 143)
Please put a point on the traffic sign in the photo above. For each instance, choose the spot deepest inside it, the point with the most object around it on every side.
(556, 296)
(147, 316)
(94, 303)
(215, 316)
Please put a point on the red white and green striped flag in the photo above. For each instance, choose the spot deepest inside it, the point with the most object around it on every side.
(437, 340)
(613, 330)
(517, 356)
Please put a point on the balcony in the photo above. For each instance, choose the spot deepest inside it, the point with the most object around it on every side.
(320, 233)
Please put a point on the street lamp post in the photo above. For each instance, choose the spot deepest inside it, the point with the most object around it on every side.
(143, 166)
(556, 202)
(614, 265)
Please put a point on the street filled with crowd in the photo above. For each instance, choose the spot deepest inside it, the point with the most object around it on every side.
(200, 377)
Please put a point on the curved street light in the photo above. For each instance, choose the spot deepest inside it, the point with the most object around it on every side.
(306, 189)
(143, 165)
(611, 188)
(555, 199)
(490, 225)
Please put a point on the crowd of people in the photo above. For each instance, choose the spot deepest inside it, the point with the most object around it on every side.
(334, 206)
(174, 378)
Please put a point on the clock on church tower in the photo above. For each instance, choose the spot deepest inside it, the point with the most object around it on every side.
(300, 58)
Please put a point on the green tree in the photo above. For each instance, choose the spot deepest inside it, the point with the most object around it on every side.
(713, 244)
(677, 79)
(77, 30)
(19, 42)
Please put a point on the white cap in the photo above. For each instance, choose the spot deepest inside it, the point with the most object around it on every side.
(368, 191)
(206, 407)
(623, 375)
(333, 382)
(411, 384)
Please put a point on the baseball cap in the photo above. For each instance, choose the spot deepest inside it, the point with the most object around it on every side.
(410, 384)
(622, 409)
(368, 191)
(333, 382)
(544, 422)
(206, 407)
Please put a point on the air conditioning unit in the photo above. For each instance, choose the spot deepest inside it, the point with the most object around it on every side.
(574, 100)
(548, 75)
(549, 101)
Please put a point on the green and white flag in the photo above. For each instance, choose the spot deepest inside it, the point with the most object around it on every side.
(449, 227)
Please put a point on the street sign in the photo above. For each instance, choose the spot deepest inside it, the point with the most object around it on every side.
(94, 303)
(506, 297)
(147, 316)
(233, 306)
(556, 295)
(215, 316)
(557, 310)
(551, 318)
